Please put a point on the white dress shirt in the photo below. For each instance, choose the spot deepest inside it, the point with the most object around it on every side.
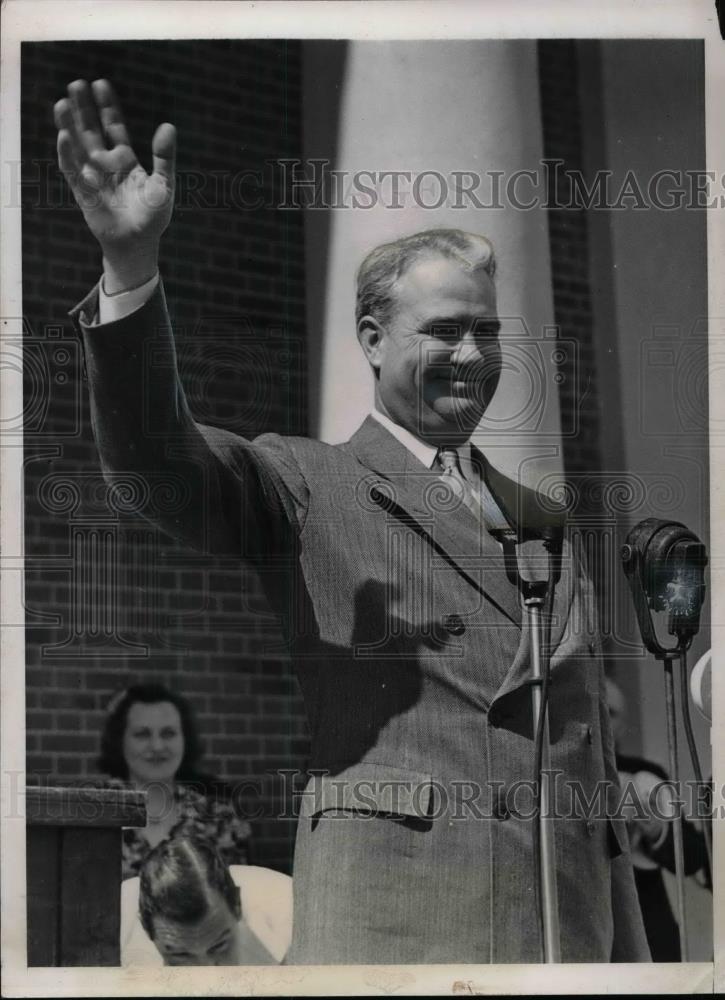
(427, 455)
(114, 307)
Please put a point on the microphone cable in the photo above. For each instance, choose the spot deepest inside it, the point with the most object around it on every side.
(694, 757)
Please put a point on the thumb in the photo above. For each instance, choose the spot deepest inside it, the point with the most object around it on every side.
(163, 147)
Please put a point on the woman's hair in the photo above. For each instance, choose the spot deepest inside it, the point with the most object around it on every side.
(176, 879)
(112, 761)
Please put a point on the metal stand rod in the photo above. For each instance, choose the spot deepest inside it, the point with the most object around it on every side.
(545, 819)
(685, 711)
(677, 829)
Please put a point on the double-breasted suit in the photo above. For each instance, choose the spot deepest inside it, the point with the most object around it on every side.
(414, 839)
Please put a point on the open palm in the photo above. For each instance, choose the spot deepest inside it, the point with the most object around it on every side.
(125, 207)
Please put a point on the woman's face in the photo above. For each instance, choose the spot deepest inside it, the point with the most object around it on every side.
(153, 744)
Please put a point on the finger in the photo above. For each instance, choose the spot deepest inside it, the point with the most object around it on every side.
(72, 156)
(110, 113)
(83, 178)
(86, 118)
(67, 162)
(72, 147)
(163, 147)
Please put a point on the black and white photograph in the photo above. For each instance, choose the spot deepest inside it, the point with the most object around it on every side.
(361, 498)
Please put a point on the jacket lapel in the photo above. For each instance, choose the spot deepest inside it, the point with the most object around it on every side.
(408, 489)
(505, 708)
(527, 509)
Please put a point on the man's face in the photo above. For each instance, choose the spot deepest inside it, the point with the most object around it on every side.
(440, 358)
(213, 940)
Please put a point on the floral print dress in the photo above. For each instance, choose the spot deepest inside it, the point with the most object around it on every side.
(210, 816)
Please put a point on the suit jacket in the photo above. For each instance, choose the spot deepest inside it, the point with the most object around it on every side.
(414, 839)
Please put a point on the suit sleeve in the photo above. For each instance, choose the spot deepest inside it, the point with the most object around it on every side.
(630, 940)
(206, 487)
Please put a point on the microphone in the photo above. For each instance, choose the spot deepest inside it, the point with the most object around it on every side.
(532, 554)
(665, 567)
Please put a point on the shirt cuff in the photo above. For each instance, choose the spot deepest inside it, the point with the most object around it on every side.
(112, 308)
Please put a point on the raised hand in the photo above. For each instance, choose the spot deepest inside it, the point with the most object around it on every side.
(125, 208)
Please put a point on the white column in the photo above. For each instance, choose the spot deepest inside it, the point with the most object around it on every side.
(442, 107)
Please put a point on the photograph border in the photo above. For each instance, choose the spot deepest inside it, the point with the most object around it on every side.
(25, 20)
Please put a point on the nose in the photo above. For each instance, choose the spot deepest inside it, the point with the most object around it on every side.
(157, 741)
(471, 348)
(468, 346)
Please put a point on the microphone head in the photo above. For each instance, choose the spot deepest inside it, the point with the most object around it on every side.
(665, 566)
(533, 560)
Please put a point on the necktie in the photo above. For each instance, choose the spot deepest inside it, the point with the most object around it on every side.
(476, 496)
(453, 474)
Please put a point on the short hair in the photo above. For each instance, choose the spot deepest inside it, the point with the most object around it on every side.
(384, 265)
(112, 761)
(176, 879)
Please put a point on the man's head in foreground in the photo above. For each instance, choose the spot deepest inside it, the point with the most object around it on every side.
(427, 322)
(189, 904)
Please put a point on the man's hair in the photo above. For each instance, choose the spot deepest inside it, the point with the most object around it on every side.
(176, 879)
(383, 266)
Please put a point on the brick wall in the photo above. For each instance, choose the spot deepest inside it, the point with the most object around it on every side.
(571, 266)
(560, 113)
(109, 601)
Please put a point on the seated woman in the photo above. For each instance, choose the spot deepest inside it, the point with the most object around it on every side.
(150, 741)
(198, 911)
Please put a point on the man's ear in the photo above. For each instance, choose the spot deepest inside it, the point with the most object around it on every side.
(371, 335)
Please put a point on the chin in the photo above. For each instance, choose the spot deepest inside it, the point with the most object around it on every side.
(165, 776)
(455, 420)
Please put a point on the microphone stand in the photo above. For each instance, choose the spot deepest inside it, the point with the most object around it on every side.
(664, 563)
(537, 589)
(679, 846)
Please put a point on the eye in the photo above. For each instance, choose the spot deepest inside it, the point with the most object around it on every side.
(169, 734)
(449, 333)
(486, 328)
(219, 948)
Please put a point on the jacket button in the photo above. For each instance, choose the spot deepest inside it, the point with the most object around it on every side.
(454, 624)
(591, 827)
(589, 735)
(592, 649)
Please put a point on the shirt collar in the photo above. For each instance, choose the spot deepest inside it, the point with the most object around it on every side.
(425, 453)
